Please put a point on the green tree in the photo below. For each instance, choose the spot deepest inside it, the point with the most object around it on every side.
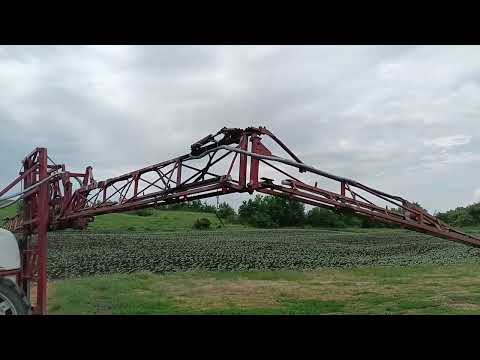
(320, 217)
(194, 205)
(249, 209)
(269, 211)
(225, 211)
(462, 216)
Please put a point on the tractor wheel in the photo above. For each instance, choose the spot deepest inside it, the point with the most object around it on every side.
(11, 301)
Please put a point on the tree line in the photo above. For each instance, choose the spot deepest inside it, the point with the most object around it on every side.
(275, 212)
(267, 211)
(272, 212)
(461, 216)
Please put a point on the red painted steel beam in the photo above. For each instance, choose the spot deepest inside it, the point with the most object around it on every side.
(377, 215)
(17, 180)
(242, 176)
(42, 228)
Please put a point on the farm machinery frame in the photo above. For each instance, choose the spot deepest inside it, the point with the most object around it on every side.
(54, 198)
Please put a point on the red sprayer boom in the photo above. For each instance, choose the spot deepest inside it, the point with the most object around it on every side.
(55, 198)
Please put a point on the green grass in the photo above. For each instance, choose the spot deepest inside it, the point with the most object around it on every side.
(160, 220)
(426, 289)
(7, 212)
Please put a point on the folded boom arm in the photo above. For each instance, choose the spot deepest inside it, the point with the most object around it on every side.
(54, 198)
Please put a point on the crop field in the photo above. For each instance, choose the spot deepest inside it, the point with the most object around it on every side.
(85, 254)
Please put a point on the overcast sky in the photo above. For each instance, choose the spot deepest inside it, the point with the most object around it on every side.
(403, 119)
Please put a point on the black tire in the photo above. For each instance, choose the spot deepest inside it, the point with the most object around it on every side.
(10, 296)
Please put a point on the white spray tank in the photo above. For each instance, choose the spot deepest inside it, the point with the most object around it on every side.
(9, 251)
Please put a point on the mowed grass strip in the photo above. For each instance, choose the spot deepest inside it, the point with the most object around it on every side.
(452, 289)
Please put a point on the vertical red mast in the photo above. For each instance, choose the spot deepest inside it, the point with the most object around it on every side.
(43, 211)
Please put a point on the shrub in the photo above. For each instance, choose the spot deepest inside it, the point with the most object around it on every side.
(143, 212)
(202, 224)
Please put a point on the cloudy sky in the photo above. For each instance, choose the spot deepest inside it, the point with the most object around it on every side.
(403, 119)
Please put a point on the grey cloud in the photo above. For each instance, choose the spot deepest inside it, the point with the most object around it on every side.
(394, 117)
(476, 195)
(448, 141)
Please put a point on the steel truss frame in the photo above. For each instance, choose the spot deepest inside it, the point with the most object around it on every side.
(51, 203)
